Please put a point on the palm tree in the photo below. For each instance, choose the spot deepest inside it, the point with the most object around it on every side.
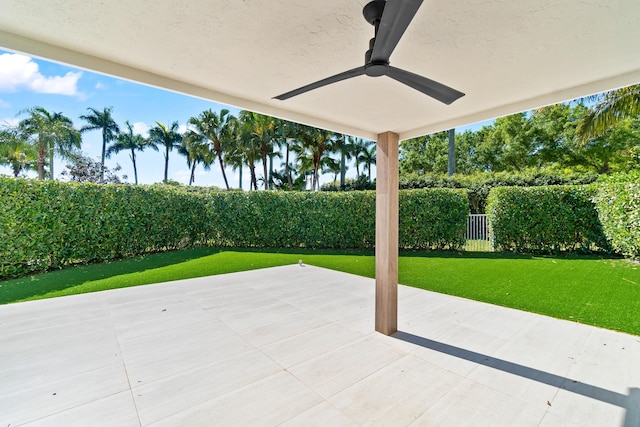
(101, 120)
(132, 142)
(197, 150)
(317, 142)
(343, 145)
(169, 138)
(285, 134)
(611, 107)
(217, 129)
(359, 146)
(332, 166)
(54, 134)
(262, 131)
(16, 152)
(368, 157)
(247, 147)
(234, 153)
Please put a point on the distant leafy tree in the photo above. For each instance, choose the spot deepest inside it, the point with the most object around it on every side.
(103, 121)
(84, 169)
(555, 129)
(132, 142)
(16, 152)
(425, 154)
(53, 133)
(167, 137)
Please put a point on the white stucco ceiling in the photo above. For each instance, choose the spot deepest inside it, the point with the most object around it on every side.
(506, 55)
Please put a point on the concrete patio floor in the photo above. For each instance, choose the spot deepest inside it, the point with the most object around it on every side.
(295, 346)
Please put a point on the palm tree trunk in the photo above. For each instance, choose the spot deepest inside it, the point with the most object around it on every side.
(104, 150)
(314, 183)
(41, 159)
(286, 168)
(51, 161)
(192, 178)
(342, 168)
(254, 181)
(451, 157)
(224, 175)
(369, 170)
(166, 166)
(264, 164)
(133, 160)
(240, 180)
(271, 171)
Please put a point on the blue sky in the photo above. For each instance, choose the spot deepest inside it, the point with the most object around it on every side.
(27, 82)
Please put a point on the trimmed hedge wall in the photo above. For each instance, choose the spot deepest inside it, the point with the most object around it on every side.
(619, 210)
(545, 219)
(429, 219)
(479, 185)
(433, 218)
(48, 224)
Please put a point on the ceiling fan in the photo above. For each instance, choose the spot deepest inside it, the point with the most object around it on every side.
(390, 19)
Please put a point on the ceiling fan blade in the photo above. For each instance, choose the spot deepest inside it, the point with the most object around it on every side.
(396, 17)
(427, 86)
(324, 82)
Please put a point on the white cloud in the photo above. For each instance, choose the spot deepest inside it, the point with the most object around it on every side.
(141, 128)
(182, 129)
(100, 85)
(182, 175)
(4, 104)
(18, 72)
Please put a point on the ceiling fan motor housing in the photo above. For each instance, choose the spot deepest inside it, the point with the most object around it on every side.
(373, 12)
(374, 68)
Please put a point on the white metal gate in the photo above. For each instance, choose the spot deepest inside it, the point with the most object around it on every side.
(479, 238)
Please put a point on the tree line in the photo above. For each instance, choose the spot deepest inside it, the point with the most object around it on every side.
(602, 138)
(249, 140)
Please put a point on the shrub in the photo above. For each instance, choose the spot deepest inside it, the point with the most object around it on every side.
(428, 219)
(545, 219)
(479, 185)
(619, 210)
(433, 219)
(48, 224)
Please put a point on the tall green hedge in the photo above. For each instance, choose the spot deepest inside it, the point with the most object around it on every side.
(433, 218)
(428, 219)
(619, 210)
(479, 185)
(545, 219)
(48, 224)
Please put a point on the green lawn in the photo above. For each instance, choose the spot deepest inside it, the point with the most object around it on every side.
(591, 290)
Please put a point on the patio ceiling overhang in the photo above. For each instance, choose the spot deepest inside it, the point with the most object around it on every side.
(506, 56)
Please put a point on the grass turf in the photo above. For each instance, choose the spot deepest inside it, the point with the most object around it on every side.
(591, 290)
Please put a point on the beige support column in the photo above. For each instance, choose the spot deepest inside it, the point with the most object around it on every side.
(387, 233)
